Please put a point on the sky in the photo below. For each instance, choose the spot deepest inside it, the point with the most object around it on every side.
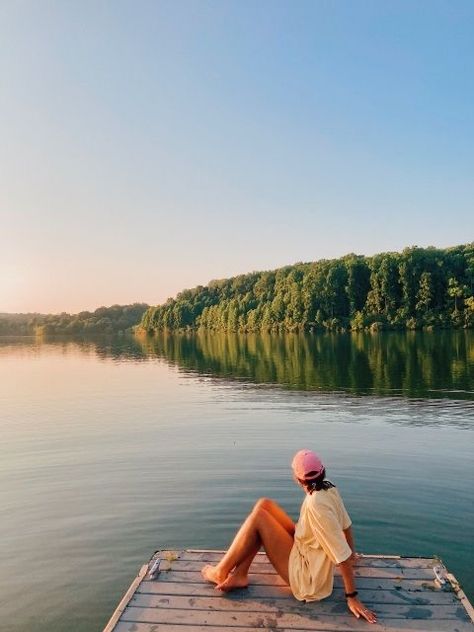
(146, 147)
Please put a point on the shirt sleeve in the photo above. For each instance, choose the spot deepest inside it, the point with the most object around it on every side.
(329, 534)
(346, 519)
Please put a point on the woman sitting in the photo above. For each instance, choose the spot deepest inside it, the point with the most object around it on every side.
(303, 554)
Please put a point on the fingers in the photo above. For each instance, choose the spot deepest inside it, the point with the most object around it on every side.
(370, 616)
(359, 610)
(355, 611)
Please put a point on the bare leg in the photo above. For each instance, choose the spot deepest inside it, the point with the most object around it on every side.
(215, 573)
(276, 541)
(260, 528)
(280, 515)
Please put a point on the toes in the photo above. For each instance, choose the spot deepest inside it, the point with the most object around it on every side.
(208, 572)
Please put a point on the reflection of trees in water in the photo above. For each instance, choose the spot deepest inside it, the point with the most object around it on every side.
(104, 347)
(415, 364)
(412, 363)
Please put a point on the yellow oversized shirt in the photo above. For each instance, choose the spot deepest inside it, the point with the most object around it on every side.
(319, 545)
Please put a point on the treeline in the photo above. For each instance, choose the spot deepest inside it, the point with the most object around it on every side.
(417, 288)
(104, 320)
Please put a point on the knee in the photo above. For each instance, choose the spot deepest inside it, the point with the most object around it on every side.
(263, 503)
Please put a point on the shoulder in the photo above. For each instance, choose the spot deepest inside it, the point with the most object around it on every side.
(324, 500)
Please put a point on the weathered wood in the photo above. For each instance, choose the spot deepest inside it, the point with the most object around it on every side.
(195, 590)
(333, 607)
(415, 588)
(388, 626)
(373, 561)
(460, 594)
(127, 626)
(125, 599)
(402, 591)
(180, 565)
(275, 593)
(311, 620)
(268, 579)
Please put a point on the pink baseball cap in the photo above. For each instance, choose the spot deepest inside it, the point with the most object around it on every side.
(305, 462)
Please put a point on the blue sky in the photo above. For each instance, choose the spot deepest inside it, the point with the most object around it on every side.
(152, 146)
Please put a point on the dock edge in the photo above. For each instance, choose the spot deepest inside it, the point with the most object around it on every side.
(114, 619)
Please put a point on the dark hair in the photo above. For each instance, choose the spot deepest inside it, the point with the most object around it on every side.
(317, 483)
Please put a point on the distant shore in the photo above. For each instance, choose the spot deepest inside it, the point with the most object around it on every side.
(419, 288)
(104, 320)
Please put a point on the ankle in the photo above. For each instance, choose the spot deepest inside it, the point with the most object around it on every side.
(241, 572)
(222, 570)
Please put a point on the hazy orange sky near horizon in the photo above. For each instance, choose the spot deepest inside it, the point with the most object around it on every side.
(154, 147)
(56, 296)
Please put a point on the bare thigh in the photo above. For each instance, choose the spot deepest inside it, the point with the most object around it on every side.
(276, 541)
(277, 512)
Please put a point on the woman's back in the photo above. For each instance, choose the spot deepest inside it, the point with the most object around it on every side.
(319, 544)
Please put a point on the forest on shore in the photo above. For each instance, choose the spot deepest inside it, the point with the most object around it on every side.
(417, 288)
(104, 320)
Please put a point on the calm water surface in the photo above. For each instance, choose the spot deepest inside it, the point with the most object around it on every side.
(113, 448)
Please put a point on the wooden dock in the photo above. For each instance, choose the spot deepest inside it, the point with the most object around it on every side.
(408, 594)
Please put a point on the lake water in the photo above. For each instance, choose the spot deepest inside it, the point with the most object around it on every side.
(113, 448)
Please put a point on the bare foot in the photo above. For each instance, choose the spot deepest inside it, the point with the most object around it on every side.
(212, 574)
(232, 582)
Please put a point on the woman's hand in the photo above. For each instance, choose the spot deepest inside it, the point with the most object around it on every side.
(359, 610)
(355, 557)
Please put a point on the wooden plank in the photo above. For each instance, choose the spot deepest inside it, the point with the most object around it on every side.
(130, 626)
(373, 561)
(125, 599)
(180, 565)
(202, 589)
(329, 607)
(191, 554)
(221, 551)
(311, 621)
(273, 593)
(370, 583)
(272, 579)
(387, 626)
(195, 577)
(461, 595)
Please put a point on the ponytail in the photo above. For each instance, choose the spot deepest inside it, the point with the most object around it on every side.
(317, 483)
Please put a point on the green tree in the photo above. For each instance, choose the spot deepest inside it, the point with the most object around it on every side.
(425, 293)
(456, 291)
(358, 283)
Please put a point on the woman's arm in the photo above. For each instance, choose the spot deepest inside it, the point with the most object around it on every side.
(350, 540)
(349, 535)
(355, 606)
